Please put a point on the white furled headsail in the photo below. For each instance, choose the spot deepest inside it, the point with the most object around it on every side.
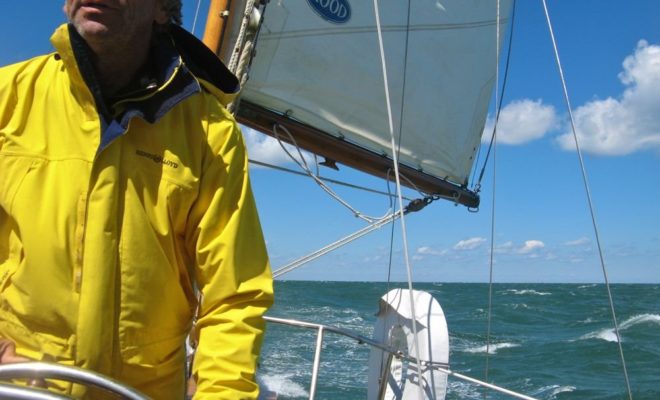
(396, 379)
(317, 65)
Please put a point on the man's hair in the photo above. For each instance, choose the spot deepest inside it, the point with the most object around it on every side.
(173, 9)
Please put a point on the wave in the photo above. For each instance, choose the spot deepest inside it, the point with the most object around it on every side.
(282, 386)
(640, 319)
(492, 348)
(609, 335)
(521, 305)
(464, 390)
(550, 392)
(527, 291)
(587, 286)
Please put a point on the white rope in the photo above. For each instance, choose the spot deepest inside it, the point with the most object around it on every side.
(588, 192)
(242, 70)
(244, 60)
(302, 163)
(249, 6)
(398, 190)
(333, 246)
(324, 179)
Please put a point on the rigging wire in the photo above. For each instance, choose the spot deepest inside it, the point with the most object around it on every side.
(505, 79)
(395, 160)
(589, 200)
(390, 258)
(498, 97)
(192, 30)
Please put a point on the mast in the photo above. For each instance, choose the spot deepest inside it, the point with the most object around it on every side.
(216, 24)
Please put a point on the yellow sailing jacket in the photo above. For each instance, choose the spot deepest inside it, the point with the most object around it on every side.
(112, 217)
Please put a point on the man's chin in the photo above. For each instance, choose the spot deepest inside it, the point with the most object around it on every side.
(92, 30)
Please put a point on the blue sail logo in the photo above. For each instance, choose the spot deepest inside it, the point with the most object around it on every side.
(336, 11)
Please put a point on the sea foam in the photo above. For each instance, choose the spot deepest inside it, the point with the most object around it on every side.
(282, 385)
(492, 348)
(550, 392)
(527, 291)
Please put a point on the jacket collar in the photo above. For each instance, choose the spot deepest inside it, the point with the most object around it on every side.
(177, 61)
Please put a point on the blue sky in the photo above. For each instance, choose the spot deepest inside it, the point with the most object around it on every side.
(610, 52)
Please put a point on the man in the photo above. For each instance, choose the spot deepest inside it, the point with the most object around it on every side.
(124, 198)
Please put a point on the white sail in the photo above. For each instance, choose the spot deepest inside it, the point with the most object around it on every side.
(324, 70)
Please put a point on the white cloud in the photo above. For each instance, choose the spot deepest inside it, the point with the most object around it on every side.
(267, 149)
(429, 251)
(551, 257)
(530, 246)
(578, 242)
(504, 247)
(372, 259)
(469, 244)
(629, 123)
(522, 121)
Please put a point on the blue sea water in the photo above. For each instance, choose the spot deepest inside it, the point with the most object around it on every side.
(548, 341)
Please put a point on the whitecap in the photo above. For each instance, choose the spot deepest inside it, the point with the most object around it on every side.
(562, 389)
(640, 319)
(553, 390)
(527, 291)
(492, 348)
(609, 335)
(521, 305)
(464, 390)
(281, 385)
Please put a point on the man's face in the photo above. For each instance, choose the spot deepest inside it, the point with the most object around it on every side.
(109, 21)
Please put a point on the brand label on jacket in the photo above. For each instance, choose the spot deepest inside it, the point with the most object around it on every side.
(157, 159)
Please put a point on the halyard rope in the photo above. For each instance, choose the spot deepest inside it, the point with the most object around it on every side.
(235, 55)
(399, 195)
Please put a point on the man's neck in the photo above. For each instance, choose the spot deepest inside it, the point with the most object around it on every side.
(117, 63)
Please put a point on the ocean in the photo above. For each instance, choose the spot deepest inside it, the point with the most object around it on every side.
(548, 341)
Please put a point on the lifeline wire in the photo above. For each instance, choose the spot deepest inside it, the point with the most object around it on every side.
(588, 192)
(395, 160)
